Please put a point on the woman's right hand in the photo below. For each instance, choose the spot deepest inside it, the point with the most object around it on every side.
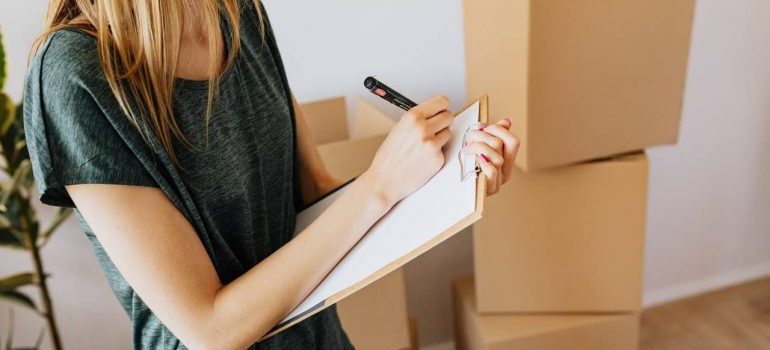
(411, 154)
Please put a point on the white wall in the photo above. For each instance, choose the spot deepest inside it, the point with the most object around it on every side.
(416, 47)
(709, 196)
(708, 221)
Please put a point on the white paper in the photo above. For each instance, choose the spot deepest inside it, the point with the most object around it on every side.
(430, 211)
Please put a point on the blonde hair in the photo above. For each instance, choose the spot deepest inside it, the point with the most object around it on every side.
(138, 43)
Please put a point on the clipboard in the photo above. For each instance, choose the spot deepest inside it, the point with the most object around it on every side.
(385, 247)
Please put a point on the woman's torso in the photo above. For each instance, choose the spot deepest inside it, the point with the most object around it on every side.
(240, 167)
(241, 176)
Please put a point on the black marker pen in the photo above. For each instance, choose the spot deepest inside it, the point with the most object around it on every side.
(388, 94)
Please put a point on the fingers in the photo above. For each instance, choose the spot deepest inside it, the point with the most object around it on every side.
(492, 174)
(429, 108)
(505, 123)
(491, 152)
(431, 117)
(486, 138)
(439, 122)
(486, 153)
(510, 145)
(496, 148)
(502, 134)
(442, 138)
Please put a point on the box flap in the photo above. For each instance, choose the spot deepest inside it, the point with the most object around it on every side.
(327, 119)
(369, 121)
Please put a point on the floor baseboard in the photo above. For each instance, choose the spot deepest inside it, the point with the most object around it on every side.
(691, 288)
(680, 291)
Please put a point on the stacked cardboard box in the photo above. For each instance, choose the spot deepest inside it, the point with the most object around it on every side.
(565, 240)
(588, 85)
(580, 79)
(538, 332)
(376, 316)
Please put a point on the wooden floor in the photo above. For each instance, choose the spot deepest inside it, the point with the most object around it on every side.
(737, 318)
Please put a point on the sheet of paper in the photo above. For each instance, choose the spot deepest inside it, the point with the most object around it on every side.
(430, 211)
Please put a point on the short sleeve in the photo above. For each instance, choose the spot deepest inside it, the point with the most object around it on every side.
(69, 137)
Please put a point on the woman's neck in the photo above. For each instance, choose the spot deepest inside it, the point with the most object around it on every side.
(194, 60)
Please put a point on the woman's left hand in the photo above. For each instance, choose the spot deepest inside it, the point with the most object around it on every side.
(496, 148)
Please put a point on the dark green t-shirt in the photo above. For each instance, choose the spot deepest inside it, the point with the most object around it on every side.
(237, 186)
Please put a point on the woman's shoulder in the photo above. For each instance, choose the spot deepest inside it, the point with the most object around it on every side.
(64, 80)
(67, 54)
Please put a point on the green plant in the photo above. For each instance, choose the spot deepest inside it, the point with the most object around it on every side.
(19, 225)
(9, 340)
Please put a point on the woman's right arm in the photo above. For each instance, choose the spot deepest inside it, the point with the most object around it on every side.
(158, 252)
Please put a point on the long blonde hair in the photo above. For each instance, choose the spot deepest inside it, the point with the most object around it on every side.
(138, 43)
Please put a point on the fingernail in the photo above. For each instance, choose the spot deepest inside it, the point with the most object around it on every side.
(509, 120)
(482, 128)
(484, 157)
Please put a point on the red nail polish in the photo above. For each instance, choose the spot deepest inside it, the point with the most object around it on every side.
(484, 157)
(482, 128)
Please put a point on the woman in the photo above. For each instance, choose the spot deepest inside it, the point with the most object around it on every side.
(171, 128)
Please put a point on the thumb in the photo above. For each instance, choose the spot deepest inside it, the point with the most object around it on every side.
(505, 123)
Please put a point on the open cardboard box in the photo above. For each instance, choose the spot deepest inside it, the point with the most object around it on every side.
(376, 316)
(564, 240)
(346, 150)
(538, 332)
(580, 79)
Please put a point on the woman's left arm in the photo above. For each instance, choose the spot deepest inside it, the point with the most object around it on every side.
(315, 180)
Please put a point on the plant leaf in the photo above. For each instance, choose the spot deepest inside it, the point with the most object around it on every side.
(6, 121)
(2, 63)
(9, 286)
(9, 240)
(29, 223)
(15, 281)
(7, 113)
(20, 173)
(19, 298)
(38, 342)
(19, 221)
(12, 139)
(59, 217)
(21, 153)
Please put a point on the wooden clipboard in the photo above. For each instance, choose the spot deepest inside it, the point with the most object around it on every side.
(465, 222)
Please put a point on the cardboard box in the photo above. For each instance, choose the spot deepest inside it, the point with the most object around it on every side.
(369, 121)
(414, 338)
(327, 119)
(564, 240)
(580, 79)
(538, 332)
(375, 317)
(347, 159)
(346, 151)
